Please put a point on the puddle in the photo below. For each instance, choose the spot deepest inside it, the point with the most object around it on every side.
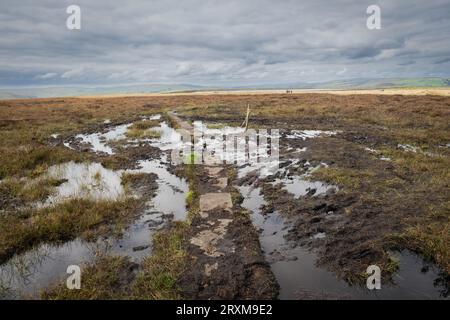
(155, 117)
(211, 148)
(301, 187)
(257, 151)
(271, 167)
(414, 149)
(408, 148)
(320, 235)
(298, 185)
(226, 130)
(172, 190)
(219, 144)
(67, 145)
(98, 141)
(28, 273)
(371, 150)
(376, 152)
(300, 278)
(308, 134)
(85, 180)
(170, 139)
(39, 268)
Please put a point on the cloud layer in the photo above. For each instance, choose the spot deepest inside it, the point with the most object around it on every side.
(213, 42)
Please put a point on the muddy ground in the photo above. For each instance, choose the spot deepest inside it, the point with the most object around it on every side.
(380, 197)
(387, 165)
(225, 257)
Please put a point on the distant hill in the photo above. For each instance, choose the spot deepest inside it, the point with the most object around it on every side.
(386, 83)
(57, 91)
(360, 84)
(65, 91)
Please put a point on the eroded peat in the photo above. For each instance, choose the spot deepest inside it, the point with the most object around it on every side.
(361, 179)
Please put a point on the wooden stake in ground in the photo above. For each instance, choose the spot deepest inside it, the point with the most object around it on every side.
(246, 118)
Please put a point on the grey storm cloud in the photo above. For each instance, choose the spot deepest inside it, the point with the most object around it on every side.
(220, 42)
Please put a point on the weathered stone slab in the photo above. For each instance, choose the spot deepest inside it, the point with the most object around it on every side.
(208, 240)
(219, 200)
(214, 171)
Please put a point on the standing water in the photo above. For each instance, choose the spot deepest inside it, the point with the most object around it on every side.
(26, 274)
(299, 277)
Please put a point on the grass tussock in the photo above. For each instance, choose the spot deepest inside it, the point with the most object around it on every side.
(347, 177)
(115, 277)
(428, 234)
(27, 192)
(148, 133)
(144, 124)
(161, 271)
(77, 217)
(31, 161)
(431, 236)
(107, 278)
(143, 129)
(172, 123)
(432, 240)
(129, 179)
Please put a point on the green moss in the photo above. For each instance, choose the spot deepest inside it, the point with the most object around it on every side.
(191, 197)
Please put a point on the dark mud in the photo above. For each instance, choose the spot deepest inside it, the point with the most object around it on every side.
(144, 184)
(347, 229)
(300, 276)
(356, 228)
(129, 157)
(225, 258)
(352, 225)
(240, 273)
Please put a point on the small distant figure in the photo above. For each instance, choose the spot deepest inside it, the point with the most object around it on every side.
(289, 91)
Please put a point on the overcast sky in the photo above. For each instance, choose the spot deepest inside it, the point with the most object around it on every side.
(218, 42)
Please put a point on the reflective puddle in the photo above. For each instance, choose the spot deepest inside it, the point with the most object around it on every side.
(300, 278)
(172, 190)
(28, 273)
(308, 134)
(85, 180)
(39, 268)
(301, 187)
(99, 141)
